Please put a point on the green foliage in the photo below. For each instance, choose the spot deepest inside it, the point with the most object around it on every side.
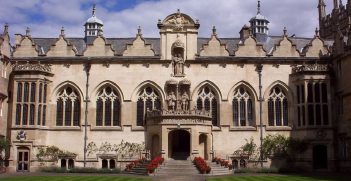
(250, 147)
(281, 146)
(4, 144)
(52, 153)
(76, 178)
(124, 149)
(79, 170)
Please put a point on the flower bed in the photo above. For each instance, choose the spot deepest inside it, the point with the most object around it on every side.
(201, 165)
(154, 164)
(134, 164)
(223, 163)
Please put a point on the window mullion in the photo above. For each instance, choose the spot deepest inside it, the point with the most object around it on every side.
(103, 112)
(112, 120)
(72, 111)
(239, 112)
(274, 113)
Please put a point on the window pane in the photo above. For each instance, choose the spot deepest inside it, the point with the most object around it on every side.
(299, 116)
(19, 92)
(318, 115)
(325, 115)
(250, 112)
(32, 92)
(116, 112)
(149, 105)
(285, 112)
(214, 112)
(324, 93)
(242, 113)
(310, 115)
(278, 112)
(45, 92)
(310, 93)
(207, 105)
(76, 116)
(40, 92)
(235, 112)
(25, 114)
(199, 104)
(32, 114)
(303, 94)
(157, 104)
(140, 112)
(298, 94)
(26, 92)
(303, 115)
(108, 112)
(68, 112)
(317, 92)
(44, 115)
(270, 112)
(39, 116)
(59, 113)
(18, 114)
(99, 112)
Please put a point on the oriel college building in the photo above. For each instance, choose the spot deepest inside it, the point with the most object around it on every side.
(177, 95)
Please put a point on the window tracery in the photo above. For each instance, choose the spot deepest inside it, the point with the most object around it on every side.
(243, 114)
(277, 107)
(207, 101)
(108, 107)
(149, 99)
(68, 108)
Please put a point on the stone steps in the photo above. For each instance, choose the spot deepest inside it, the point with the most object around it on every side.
(177, 168)
(217, 169)
(139, 170)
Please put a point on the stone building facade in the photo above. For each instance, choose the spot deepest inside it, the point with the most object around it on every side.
(180, 94)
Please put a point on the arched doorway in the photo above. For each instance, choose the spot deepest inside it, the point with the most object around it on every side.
(179, 144)
(320, 157)
(203, 146)
(155, 146)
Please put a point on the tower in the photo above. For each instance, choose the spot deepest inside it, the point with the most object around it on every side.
(93, 26)
(259, 25)
(321, 9)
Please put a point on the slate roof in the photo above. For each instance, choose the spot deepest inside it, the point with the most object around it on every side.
(119, 44)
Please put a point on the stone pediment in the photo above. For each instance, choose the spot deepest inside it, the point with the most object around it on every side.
(26, 47)
(99, 48)
(316, 48)
(285, 48)
(214, 47)
(139, 48)
(178, 21)
(250, 48)
(61, 48)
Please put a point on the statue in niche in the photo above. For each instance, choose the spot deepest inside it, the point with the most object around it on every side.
(178, 63)
(185, 101)
(171, 101)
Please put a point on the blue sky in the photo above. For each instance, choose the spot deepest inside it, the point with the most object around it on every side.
(122, 17)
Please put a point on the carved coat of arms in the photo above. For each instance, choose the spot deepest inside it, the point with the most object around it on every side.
(178, 21)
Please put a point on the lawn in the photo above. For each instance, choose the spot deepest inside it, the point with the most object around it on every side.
(72, 178)
(281, 178)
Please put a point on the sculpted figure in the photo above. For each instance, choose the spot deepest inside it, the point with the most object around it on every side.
(185, 101)
(178, 63)
(171, 100)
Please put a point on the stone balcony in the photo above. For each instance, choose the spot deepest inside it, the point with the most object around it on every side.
(311, 68)
(177, 117)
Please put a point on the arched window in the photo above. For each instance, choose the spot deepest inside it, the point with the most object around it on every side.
(243, 112)
(108, 108)
(149, 99)
(207, 101)
(68, 108)
(277, 107)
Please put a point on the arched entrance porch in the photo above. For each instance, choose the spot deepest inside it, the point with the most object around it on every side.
(179, 144)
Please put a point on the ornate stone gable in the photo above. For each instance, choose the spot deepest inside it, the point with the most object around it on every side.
(25, 46)
(316, 48)
(178, 22)
(285, 47)
(62, 48)
(98, 48)
(139, 47)
(214, 47)
(250, 48)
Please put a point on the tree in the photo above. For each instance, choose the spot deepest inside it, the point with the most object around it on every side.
(4, 145)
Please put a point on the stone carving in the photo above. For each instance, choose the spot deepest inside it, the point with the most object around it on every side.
(21, 135)
(185, 101)
(171, 101)
(178, 64)
(310, 68)
(178, 21)
(32, 67)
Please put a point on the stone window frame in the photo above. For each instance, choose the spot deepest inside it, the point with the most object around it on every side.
(36, 109)
(74, 98)
(142, 103)
(246, 96)
(115, 99)
(206, 100)
(278, 95)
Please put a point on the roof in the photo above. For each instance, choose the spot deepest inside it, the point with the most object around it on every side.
(119, 44)
(94, 19)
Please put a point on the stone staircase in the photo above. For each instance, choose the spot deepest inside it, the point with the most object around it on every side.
(217, 169)
(140, 169)
(177, 168)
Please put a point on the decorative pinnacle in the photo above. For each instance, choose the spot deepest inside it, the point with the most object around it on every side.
(285, 31)
(317, 32)
(178, 11)
(62, 31)
(94, 10)
(214, 30)
(139, 30)
(27, 31)
(6, 28)
(258, 7)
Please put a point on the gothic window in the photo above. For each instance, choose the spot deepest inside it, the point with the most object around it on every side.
(316, 104)
(207, 101)
(148, 99)
(68, 108)
(108, 108)
(243, 112)
(277, 108)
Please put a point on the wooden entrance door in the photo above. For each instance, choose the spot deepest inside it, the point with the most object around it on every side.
(23, 160)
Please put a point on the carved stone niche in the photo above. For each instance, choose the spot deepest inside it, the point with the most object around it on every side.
(178, 95)
(178, 58)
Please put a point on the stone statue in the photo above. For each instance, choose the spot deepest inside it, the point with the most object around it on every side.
(171, 100)
(178, 63)
(185, 101)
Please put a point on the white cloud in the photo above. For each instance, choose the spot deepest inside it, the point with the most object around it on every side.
(299, 16)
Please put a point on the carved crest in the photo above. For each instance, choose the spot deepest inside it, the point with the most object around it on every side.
(21, 135)
(178, 21)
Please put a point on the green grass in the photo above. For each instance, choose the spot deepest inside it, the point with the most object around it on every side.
(281, 178)
(72, 178)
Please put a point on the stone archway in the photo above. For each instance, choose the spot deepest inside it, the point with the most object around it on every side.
(320, 157)
(203, 146)
(179, 144)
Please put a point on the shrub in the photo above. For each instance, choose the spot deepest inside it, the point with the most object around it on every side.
(79, 170)
(154, 164)
(134, 164)
(201, 165)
